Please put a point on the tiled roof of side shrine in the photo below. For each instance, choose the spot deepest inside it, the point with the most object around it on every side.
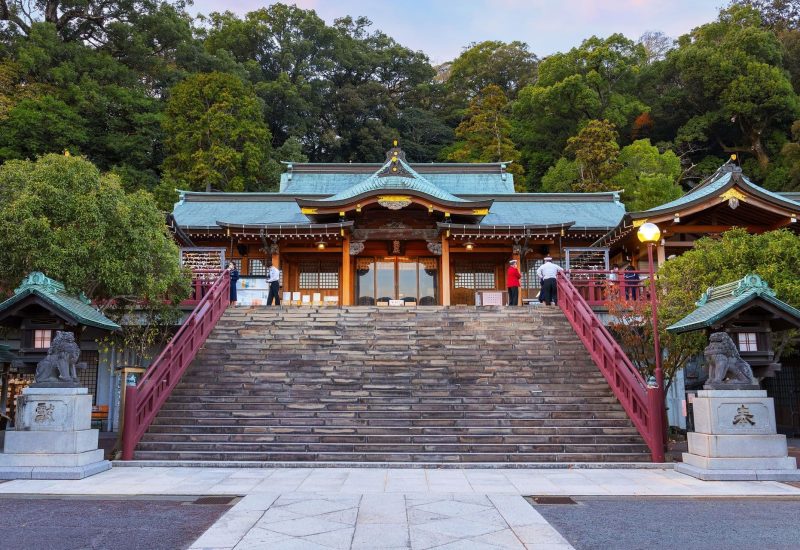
(54, 294)
(717, 303)
(716, 183)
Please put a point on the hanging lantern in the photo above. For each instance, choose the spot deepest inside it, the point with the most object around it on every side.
(321, 245)
(469, 245)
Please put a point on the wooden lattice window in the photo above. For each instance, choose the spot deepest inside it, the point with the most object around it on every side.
(529, 278)
(258, 268)
(323, 275)
(42, 339)
(88, 376)
(475, 276)
(748, 341)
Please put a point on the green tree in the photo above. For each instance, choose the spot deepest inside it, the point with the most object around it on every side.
(648, 176)
(774, 255)
(596, 154)
(70, 95)
(343, 89)
(790, 154)
(562, 177)
(596, 81)
(511, 66)
(78, 20)
(484, 134)
(730, 77)
(41, 125)
(216, 137)
(61, 216)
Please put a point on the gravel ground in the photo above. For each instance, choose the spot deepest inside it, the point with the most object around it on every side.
(98, 523)
(680, 524)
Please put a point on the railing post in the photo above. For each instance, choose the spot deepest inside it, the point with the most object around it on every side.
(130, 423)
(656, 428)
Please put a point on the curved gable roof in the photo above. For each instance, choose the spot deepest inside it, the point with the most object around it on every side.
(384, 180)
(725, 178)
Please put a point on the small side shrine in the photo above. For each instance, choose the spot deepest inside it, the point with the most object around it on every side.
(735, 434)
(52, 436)
(38, 309)
(40, 306)
(750, 313)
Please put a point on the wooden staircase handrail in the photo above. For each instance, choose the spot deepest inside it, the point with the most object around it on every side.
(143, 401)
(641, 403)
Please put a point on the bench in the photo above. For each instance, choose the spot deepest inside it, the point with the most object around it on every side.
(99, 415)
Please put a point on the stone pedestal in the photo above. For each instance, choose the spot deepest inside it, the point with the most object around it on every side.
(52, 437)
(735, 439)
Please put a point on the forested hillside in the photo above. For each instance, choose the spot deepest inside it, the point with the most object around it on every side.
(166, 101)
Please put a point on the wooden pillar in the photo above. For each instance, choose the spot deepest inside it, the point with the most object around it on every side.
(347, 273)
(445, 270)
(662, 255)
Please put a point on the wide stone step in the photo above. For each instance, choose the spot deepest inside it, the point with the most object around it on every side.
(431, 458)
(384, 439)
(394, 422)
(375, 407)
(389, 447)
(224, 430)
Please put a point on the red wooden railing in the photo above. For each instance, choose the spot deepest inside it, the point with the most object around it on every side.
(642, 403)
(143, 401)
(202, 281)
(594, 285)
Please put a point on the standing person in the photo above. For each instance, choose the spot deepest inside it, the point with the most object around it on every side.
(613, 277)
(513, 277)
(234, 273)
(274, 281)
(548, 272)
(631, 283)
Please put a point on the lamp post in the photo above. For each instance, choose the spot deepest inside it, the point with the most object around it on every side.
(649, 233)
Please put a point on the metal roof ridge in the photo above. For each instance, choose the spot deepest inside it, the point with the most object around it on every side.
(417, 183)
(508, 197)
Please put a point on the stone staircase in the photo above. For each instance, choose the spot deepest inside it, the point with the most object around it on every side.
(367, 384)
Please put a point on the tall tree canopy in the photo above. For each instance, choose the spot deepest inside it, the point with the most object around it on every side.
(61, 216)
(511, 66)
(597, 80)
(216, 138)
(484, 134)
(730, 74)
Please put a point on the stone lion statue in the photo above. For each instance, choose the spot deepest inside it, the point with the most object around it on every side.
(725, 365)
(60, 366)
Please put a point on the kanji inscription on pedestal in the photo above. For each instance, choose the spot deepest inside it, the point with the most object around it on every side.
(743, 417)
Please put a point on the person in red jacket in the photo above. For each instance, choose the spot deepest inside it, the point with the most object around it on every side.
(513, 277)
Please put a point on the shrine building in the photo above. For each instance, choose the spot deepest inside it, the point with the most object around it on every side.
(374, 234)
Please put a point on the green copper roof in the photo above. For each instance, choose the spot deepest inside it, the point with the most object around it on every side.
(716, 303)
(54, 293)
(407, 179)
(714, 185)
(601, 211)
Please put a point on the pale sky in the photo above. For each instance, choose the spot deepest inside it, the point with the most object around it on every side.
(441, 28)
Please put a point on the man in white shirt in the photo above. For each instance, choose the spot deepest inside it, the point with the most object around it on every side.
(274, 281)
(547, 273)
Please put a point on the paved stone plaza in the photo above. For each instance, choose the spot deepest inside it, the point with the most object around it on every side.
(319, 508)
